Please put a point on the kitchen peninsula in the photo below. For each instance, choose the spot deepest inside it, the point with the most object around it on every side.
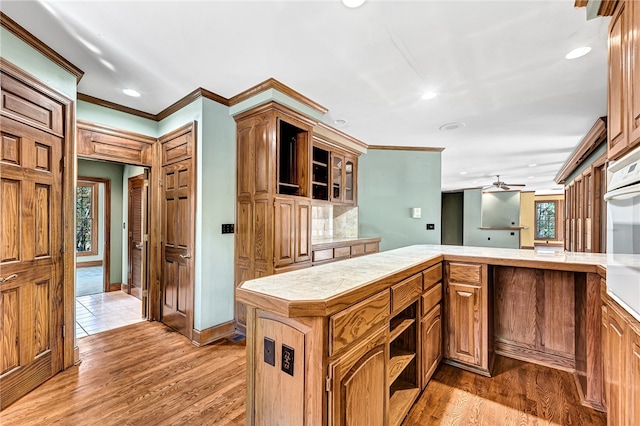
(359, 339)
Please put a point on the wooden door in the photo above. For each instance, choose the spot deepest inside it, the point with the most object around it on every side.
(136, 219)
(31, 269)
(359, 384)
(284, 232)
(615, 371)
(302, 242)
(633, 89)
(178, 229)
(337, 178)
(616, 123)
(431, 327)
(634, 377)
(463, 320)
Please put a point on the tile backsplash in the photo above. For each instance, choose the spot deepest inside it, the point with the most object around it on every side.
(333, 221)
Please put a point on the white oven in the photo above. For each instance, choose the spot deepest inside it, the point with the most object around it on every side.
(623, 232)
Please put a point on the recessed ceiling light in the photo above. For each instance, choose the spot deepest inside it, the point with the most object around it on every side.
(532, 165)
(340, 122)
(353, 3)
(131, 92)
(429, 95)
(576, 53)
(532, 177)
(452, 126)
(463, 173)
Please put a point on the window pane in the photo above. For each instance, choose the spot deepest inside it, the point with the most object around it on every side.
(84, 199)
(546, 220)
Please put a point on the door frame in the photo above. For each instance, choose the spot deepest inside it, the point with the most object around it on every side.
(70, 352)
(124, 147)
(106, 257)
(130, 180)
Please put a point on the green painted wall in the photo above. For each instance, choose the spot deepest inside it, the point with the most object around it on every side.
(390, 183)
(86, 111)
(473, 236)
(30, 60)
(114, 173)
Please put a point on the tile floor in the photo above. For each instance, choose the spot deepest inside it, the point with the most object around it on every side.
(104, 311)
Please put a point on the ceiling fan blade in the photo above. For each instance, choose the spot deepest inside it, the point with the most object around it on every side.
(515, 184)
(505, 187)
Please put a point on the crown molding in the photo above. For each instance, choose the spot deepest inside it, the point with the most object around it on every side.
(272, 83)
(115, 106)
(196, 94)
(406, 148)
(17, 30)
(592, 140)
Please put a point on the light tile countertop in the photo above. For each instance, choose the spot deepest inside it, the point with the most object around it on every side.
(326, 281)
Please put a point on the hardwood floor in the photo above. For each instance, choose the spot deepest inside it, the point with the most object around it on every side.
(146, 374)
(519, 393)
(142, 374)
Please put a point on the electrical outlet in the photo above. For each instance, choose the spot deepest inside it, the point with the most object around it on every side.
(431, 226)
(227, 228)
(270, 351)
(287, 359)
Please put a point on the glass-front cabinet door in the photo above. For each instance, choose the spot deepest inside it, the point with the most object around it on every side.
(337, 177)
(349, 181)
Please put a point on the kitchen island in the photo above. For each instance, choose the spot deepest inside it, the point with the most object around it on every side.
(358, 340)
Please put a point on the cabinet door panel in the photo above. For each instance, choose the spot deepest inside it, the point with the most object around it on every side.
(303, 231)
(284, 233)
(633, 90)
(615, 368)
(431, 327)
(634, 377)
(463, 343)
(617, 140)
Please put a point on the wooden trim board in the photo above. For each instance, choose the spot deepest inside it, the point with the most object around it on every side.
(212, 334)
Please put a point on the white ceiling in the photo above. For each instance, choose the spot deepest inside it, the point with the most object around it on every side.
(497, 66)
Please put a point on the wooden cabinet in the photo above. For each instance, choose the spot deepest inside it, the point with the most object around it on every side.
(334, 174)
(431, 324)
(330, 252)
(467, 312)
(292, 239)
(621, 352)
(624, 79)
(404, 361)
(357, 389)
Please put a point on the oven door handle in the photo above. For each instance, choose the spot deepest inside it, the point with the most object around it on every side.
(623, 193)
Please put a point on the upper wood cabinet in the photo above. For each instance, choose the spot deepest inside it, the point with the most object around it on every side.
(334, 174)
(624, 79)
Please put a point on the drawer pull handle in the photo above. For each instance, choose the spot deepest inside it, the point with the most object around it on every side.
(10, 277)
(185, 256)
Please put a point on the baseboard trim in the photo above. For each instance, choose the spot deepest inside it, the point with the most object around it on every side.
(211, 334)
(115, 286)
(89, 264)
(76, 356)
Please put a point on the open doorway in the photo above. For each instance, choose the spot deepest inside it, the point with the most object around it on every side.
(104, 263)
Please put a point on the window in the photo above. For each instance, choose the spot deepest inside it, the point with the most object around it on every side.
(87, 218)
(546, 220)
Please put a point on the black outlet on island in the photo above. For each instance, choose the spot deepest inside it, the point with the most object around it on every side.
(287, 359)
(227, 228)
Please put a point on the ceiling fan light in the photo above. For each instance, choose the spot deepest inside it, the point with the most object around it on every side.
(578, 52)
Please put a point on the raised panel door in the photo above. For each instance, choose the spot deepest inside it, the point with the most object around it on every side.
(634, 377)
(350, 177)
(302, 249)
(616, 123)
(359, 392)
(464, 323)
(31, 302)
(615, 371)
(431, 329)
(633, 68)
(284, 232)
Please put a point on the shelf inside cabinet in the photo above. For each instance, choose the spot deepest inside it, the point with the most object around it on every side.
(320, 163)
(398, 362)
(319, 183)
(398, 326)
(402, 397)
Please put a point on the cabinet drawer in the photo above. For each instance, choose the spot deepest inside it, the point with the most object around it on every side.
(348, 325)
(372, 247)
(431, 298)
(320, 255)
(340, 252)
(357, 250)
(464, 273)
(405, 292)
(431, 276)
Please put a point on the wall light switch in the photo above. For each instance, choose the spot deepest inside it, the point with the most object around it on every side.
(416, 212)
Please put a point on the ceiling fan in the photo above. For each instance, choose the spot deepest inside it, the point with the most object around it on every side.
(498, 184)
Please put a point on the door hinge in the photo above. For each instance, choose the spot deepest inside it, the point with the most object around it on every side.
(160, 182)
(146, 182)
(64, 331)
(145, 293)
(64, 246)
(145, 237)
(328, 384)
